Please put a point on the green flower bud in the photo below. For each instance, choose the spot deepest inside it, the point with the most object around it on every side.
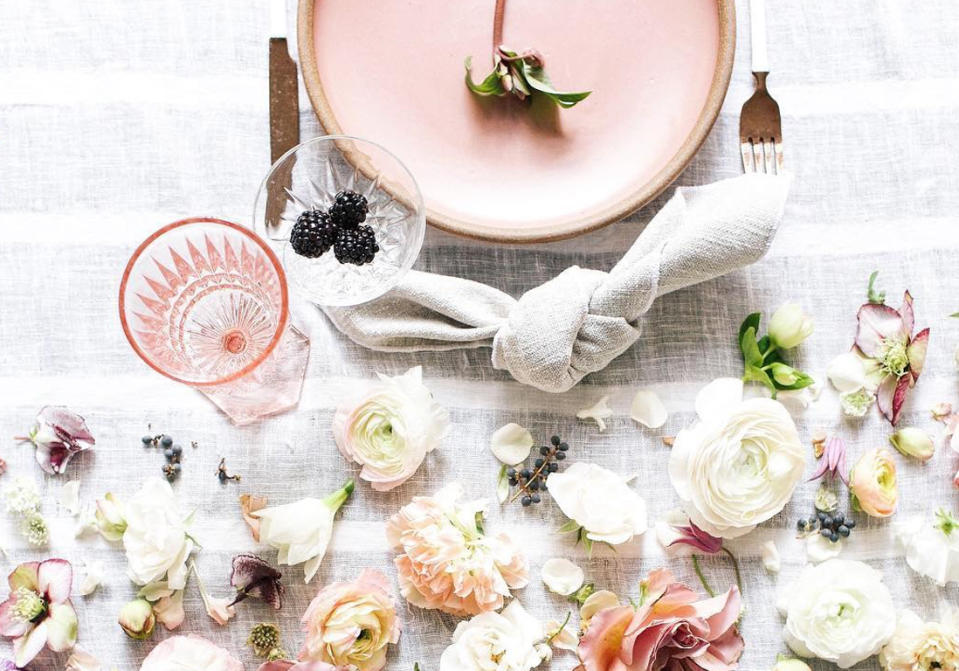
(789, 326)
(137, 619)
(913, 442)
(785, 375)
(784, 663)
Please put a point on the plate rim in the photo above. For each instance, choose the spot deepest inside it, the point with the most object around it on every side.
(629, 203)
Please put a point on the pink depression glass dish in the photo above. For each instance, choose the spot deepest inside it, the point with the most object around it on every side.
(204, 302)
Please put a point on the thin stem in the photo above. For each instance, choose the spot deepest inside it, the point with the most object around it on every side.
(498, 26)
(702, 578)
(524, 488)
(739, 579)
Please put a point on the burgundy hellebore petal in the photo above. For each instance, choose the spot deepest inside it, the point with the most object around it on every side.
(917, 353)
(58, 435)
(251, 576)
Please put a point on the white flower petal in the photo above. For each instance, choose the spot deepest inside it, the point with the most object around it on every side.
(562, 637)
(91, 577)
(719, 397)
(819, 548)
(770, 555)
(598, 412)
(648, 410)
(596, 602)
(846, 372)
(80, 660)
(562, 576)
(511, 444)
(70, 497)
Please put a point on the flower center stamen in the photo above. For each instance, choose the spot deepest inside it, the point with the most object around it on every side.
(29, 606)
(895, 357)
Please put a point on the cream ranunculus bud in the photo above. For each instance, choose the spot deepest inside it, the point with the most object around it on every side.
(137, 619)
(789, 326)
(913, 442)
(784, 663)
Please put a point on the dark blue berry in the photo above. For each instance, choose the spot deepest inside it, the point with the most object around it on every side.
(177, 450)
(801, 525)
(552, 468)
(534, 485)
(843, 531)
(838, 518)
(563, 446)
(526, 473)
(168, 453)
(526, 500)
(825, 532)
(147, 440)
(560, 456)
(535, 498)
(221, 475)
(538, 462)
(822, 516)
(554, 440)
(544, 450)
(166, 441)
(851, 523)
(833, 536)
(511, 472)
(177, 467)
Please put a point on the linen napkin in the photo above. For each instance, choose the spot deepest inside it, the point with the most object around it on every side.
(576, 323)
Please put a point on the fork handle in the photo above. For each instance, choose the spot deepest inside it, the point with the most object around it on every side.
(757, 38)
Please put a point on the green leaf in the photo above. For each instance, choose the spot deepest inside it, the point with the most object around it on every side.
(583, 593)
(750, 348)
(756, 374)
(802, 381)
(538, 80)
(492, 85)
(569, 527)
(954, 314)
(752, 321)
(873, 295)
(502, 485)
(588, 544)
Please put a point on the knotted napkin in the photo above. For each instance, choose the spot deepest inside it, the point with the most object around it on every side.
(582, 319)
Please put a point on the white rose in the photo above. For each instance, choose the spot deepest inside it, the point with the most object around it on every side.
(389, 428)
(155, 537)
(599, 501)
(510, 640)
(737, 466)
(839, 611)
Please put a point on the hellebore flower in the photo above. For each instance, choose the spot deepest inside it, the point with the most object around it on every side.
(38, 611)
(895, 356)
(251, 576)
(58, 435)
(833, 461)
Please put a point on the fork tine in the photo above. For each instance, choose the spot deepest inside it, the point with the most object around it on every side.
(747, 151)
(778, 147)
(758, 154)
(770, 161)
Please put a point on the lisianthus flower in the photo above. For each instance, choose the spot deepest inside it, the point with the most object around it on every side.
(351, 623)
(58, 435)
(38, 611)
(833, 461)
(839, 611)
(670, 628)
(932, 547)
(739, 464)
(447, 561)
(251, 576)
(895, 356)
(508, 641)
(922, 646)
(389, 428)
(872, 484)
(190, 653)
(599, 503)
(301, 531)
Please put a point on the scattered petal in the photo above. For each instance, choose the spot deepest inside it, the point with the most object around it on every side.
(846, 372)
(941, 411)
(562, 576)
(511, 444)
(91, 575)
(250, 503)
(168, 610)
(770, 555)
(253, 577)
(80, 660)
(596, 602)
(856, 403)
(599, 413)
(819, 548)
(648, 410)
(560, 636)
(801, 398)
(70, 497)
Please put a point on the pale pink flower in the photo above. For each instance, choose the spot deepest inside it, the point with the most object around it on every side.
(669, 630)
(38, 611)
(190, 653)
(872, 482)
(351, 623)
(287, 665)
(446, 559)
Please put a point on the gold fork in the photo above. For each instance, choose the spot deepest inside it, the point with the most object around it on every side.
(760, 124)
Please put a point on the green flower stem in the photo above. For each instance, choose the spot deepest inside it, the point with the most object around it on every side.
(701, 576)
(339, 497)
(732, 557)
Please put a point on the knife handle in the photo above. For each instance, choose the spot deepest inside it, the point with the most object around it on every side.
(757, 38)
(284, 100)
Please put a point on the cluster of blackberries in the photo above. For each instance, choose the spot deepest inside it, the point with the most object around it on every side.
(316, 231)
(531, 480)
(832, 527)
(172, 451)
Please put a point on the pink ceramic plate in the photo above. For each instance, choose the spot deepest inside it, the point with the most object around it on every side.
(495, 168)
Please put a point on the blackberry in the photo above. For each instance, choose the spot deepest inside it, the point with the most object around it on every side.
(349, 209)
(313, 233)
(356, 245)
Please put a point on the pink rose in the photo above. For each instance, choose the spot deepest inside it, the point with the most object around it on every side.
(669, 631)
(190, 653)
(447, 561)
(351, 623)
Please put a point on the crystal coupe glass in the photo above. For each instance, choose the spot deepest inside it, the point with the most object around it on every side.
(204, 302)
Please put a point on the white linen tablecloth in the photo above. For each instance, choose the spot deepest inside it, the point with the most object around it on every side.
(118, 117)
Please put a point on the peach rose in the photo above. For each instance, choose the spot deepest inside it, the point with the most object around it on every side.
(351, 623)
(670, 629)
(447, 561)
(872, 483)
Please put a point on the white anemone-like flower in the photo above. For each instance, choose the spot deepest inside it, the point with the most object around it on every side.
(511, 640)
(600, 502)
(839, 611)
(932, 547)
(739, 464)
(300, 531)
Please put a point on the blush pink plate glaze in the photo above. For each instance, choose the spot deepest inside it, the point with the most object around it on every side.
(205, 302)
(392, 71)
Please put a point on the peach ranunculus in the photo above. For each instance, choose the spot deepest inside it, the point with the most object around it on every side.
(287, 665)
(351, 623)
(669, 630)
(446, 559)
(872, 483)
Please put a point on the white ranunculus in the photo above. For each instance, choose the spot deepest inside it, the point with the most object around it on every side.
(511, 640)
(300, 531)
(839, 611)
(932, 547)
(599, 501)
(739, 464)
(389, 427)
(155, 537)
